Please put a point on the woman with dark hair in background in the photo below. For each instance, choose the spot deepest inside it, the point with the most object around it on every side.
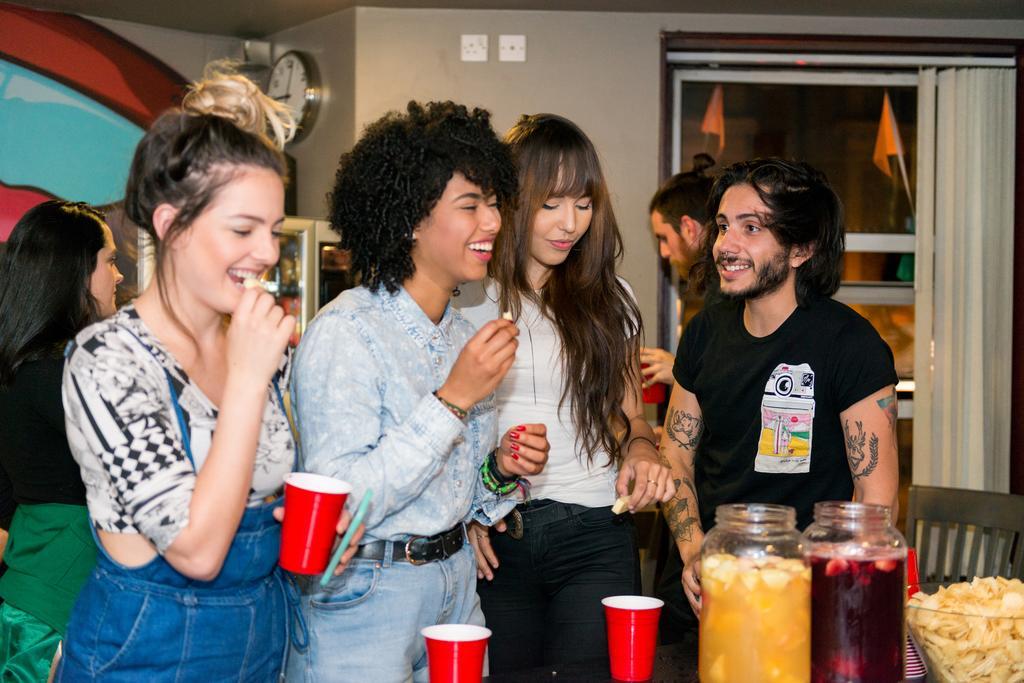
(394, 391)
(577, 371)
(176, 415)
(57, 275)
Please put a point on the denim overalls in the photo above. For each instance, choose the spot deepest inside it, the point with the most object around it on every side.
(152, 623)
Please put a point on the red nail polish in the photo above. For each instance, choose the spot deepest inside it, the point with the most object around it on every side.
(515, 456)
(514, 447)
(513, 435)
(521, 428)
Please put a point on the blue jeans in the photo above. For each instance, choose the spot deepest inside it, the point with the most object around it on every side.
(151, 623)
(365, 625)
(544, 604)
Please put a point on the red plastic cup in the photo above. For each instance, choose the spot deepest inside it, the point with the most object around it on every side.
(632, 635)
(312, 506)
(455, 652)
(654, 393)
(912, 573)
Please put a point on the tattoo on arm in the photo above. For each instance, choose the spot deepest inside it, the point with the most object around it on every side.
(681, 521)
(683, 429)
(855, 450)
(663, 459)
(889, 406)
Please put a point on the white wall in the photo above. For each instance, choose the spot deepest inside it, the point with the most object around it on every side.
(599, 69)
(185, 52)
(331, 43)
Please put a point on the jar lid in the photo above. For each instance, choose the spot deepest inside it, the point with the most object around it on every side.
(845, 513)
(756, 515)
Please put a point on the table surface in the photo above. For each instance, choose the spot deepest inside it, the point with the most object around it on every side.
(676, 663)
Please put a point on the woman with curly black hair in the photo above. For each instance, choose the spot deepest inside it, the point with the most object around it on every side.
(393, 391)
(578, 372)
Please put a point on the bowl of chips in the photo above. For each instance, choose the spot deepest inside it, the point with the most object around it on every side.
(971, 632)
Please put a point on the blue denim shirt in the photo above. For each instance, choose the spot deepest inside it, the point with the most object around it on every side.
(361, 385)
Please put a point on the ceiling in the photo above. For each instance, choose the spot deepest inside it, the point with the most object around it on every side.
(260, 18)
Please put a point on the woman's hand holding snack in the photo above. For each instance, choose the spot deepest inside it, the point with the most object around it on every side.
(257, 336)
(482, 365)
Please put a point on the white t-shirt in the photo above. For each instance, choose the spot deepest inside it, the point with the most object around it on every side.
(530, 393)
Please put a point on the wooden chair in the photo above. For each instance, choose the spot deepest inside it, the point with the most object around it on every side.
(960, 534)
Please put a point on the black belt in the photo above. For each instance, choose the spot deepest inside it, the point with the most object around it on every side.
(418, 549)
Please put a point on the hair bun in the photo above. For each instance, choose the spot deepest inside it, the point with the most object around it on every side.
(234, 97)
(702, 161)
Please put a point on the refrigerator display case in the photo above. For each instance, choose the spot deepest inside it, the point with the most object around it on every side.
(299, 278)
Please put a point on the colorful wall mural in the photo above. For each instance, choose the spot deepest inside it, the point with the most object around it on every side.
(74, 101)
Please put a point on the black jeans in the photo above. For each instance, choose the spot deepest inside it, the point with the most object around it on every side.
(544, 604)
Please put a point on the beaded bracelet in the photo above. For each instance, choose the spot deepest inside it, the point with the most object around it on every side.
(458, 412)
(494, 480)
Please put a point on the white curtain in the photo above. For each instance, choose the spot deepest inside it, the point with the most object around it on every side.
(962, 430)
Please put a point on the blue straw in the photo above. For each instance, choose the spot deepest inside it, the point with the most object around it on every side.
(357, 519)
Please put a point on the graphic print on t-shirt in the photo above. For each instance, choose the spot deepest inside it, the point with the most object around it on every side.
(787, 418)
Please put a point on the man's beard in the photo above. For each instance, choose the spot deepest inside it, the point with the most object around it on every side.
(682, 268)
(770, 277)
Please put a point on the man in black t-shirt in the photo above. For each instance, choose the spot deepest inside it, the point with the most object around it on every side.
(781, 394)
(679, 215)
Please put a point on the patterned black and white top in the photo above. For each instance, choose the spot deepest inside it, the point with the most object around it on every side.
(124, 434)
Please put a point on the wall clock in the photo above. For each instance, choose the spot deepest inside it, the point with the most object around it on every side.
(294, 81)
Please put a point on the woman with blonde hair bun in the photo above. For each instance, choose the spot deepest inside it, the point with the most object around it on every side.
(175, 414)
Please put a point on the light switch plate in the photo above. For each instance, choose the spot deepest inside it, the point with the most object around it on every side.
(474, 47)
(512, 48)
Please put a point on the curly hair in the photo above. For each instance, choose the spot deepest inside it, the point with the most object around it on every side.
(396, 173)
(804, 211)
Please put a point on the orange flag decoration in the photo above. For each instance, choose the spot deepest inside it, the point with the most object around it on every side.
(888, 142)
(714, 118)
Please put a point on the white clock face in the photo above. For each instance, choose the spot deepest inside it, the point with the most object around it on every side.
(288, 83)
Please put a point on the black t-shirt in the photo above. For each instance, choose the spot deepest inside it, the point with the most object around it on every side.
(771, 405)
(34, 453)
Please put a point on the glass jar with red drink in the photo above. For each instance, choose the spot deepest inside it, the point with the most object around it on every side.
(858, 583)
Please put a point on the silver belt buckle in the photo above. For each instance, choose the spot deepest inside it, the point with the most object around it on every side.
(408, 557)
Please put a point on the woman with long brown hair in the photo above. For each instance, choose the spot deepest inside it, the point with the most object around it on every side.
(577, 371)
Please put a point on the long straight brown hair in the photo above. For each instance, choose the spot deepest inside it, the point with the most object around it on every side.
(597, 320)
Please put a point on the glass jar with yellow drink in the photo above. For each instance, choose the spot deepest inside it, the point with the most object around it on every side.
(755, 598)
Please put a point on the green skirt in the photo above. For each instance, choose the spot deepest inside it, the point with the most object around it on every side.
(27, 646)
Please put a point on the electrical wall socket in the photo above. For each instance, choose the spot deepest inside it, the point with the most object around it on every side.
(474, 47)
(511, 48)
